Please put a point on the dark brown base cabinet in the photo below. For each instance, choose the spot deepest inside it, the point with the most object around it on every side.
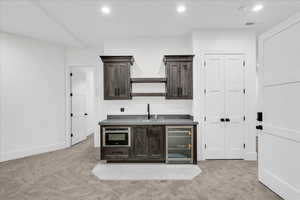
(148, 144)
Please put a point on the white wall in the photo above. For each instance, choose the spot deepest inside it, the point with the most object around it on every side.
(33, 67)
(148, 54)
(32, 97)
(279, 75)
(222, 41)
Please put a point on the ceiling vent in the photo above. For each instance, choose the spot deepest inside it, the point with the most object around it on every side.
(249, 23)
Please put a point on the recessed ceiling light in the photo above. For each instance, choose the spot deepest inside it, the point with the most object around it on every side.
(181, 9)
(257, 7)
(105, 10)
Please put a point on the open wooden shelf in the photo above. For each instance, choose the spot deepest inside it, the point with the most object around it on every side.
(148, 94)
(148, 80)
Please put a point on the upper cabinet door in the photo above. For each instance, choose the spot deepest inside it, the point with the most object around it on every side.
(179, 71)
(186, 80)
(123, 81)
(173, 76)
(110, 83)
(117, 84)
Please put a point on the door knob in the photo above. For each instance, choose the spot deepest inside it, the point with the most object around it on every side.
(85, 114)
(222, 120)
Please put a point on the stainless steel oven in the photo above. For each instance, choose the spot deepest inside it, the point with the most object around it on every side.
(116, 136)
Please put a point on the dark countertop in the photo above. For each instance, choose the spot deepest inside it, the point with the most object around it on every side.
(142, 120)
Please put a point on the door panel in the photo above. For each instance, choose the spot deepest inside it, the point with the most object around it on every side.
(214, 107)
(234, 106)
(234, 140)
(156, 142)
(140, 143)
(214, 140)
(78, 129)
(122, 74)
(110, 82)
(186, 89)
(78, 105)
(173, 82)
(234, 72)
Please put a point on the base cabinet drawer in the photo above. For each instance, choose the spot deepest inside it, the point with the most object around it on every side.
(115, 153)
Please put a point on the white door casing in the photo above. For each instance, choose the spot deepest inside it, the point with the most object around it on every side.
(78, 105)
(224, 98)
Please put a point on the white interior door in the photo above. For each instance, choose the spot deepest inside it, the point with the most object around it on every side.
(224, 107)
(279, 141)
(234, 106)
(214, 106)
(78, 105)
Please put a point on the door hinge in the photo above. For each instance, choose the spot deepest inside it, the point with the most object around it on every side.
(71, 135)
(244, 118)
(205, 146)
(205, 118)
(204, 91)
(244, 91)
(71, 114)
(259, 117)
(71, 74)
(244, 146)
(204, 63)
(244, 63)
(71, 94)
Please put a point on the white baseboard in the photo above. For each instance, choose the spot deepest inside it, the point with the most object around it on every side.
(251, 156)
(30, 152)
(281, 187)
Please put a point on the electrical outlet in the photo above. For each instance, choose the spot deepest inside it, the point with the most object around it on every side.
(122, 109)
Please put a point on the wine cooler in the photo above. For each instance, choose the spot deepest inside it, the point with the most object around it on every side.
(179, 144)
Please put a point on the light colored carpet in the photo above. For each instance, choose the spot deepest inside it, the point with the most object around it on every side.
(67, 175)
(145, 171)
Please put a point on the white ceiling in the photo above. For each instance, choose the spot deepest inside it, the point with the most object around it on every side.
(79, 22)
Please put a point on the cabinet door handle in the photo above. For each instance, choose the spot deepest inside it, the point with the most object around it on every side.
(179, 91)
(116, 92)
(156, 155)
(117, 152)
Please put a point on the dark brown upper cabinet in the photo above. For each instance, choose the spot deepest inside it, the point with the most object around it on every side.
(117, 85)
(179, 72)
